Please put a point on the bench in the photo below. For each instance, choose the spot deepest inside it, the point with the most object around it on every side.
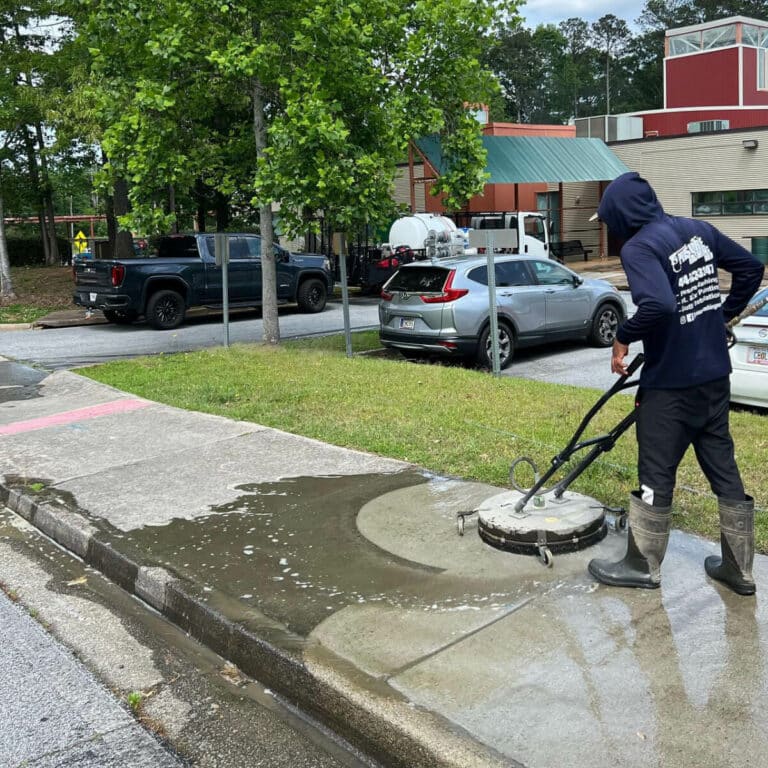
(561, 251)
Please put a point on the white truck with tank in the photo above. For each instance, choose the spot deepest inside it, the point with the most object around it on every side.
(428, 235)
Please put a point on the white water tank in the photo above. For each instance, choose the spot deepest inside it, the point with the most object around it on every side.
(413, 230)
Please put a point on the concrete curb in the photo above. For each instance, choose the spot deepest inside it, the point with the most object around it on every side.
(15, 326)
(365, 711)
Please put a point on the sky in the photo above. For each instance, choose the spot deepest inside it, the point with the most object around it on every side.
(536, 12)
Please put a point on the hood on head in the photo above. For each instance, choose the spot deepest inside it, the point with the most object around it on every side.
(628, 203)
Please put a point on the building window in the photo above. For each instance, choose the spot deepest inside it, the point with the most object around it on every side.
(707, 126)
(719, 37)
(712, 37)
(762, 67)
(682, 44)
(741, 202)
(703, 40)
(750, 34)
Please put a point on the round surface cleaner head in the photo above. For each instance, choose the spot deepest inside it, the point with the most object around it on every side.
(567, 524)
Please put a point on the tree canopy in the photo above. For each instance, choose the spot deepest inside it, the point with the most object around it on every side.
(161, 113)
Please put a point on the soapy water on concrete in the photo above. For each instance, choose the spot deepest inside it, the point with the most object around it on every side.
(293, 550)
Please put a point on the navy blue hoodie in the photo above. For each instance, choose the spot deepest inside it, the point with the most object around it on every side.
(671, 264)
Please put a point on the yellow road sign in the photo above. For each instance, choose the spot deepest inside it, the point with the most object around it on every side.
(81, 242)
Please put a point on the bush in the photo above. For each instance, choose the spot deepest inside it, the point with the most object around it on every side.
(29, 251)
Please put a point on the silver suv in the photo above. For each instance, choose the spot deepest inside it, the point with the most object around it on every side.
(442, 308)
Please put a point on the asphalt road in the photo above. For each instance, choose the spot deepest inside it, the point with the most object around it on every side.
(55, 348)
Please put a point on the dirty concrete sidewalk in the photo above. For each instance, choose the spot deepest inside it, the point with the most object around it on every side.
(338, 579)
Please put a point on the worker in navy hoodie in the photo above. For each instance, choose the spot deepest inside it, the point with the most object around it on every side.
(683, 397)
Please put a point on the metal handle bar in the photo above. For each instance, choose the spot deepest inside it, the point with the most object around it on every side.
(601, 444)
(749, 310)
(621, 383)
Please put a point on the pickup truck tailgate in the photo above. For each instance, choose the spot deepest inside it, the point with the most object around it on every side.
(93, 274)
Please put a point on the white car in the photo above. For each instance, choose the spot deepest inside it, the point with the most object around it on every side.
(749, 358)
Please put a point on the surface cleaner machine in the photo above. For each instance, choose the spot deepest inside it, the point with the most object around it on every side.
(545, 520)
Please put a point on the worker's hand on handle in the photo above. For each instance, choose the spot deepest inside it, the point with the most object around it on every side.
(620, 351)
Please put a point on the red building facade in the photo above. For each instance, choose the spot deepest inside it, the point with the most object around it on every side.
(715, 78)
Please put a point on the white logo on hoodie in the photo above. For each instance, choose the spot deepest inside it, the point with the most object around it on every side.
(698, 288)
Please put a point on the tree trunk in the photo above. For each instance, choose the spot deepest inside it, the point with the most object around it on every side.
(201, 206)
(123, 248)
(172, 208)
(52, 257)
(109, 211)
(222, 212)
(47, 229)
(34, 177)
(271, 326)
(6, 285)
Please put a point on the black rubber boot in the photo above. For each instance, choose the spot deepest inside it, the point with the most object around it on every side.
(737, 543)
(646, 546)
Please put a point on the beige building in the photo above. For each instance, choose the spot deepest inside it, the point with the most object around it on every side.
(719, 177)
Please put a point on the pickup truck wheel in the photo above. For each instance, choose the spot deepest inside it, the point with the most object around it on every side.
(165, 310)
(118, 317)
(312, 295)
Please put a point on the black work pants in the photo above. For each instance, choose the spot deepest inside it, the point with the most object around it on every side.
(670, 420)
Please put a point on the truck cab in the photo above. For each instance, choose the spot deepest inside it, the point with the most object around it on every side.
(513, 232)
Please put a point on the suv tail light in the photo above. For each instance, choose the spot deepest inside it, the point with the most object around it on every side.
(449, 292)
(117, 274)
(388, 263)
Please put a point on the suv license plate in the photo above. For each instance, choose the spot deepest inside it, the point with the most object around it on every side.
(757, 355)
(407, 323)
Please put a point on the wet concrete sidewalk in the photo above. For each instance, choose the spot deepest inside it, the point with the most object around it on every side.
(338, 579)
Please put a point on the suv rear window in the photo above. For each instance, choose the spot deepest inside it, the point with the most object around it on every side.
(418, 280)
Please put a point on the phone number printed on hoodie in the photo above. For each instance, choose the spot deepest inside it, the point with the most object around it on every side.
(699, 288)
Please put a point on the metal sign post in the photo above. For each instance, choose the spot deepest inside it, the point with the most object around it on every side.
(493, 309)
(221, 254)
(345, 294)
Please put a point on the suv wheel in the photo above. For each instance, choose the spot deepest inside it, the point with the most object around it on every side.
(604, 325)
(506, 347)
(165, 310)
(312, 295)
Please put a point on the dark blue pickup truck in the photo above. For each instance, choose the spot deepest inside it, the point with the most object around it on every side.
(183, 274)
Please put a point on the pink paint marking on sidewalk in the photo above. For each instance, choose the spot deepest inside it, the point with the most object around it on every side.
(69, 417)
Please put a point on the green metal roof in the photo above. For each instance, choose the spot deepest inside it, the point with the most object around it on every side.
(536, 159)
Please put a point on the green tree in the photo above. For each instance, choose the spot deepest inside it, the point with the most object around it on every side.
(368, 79)
(577, 71)
(661, 15)
(27, 59)
(526, 64)
(642, 76)
(332, 93)
(611, 36)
